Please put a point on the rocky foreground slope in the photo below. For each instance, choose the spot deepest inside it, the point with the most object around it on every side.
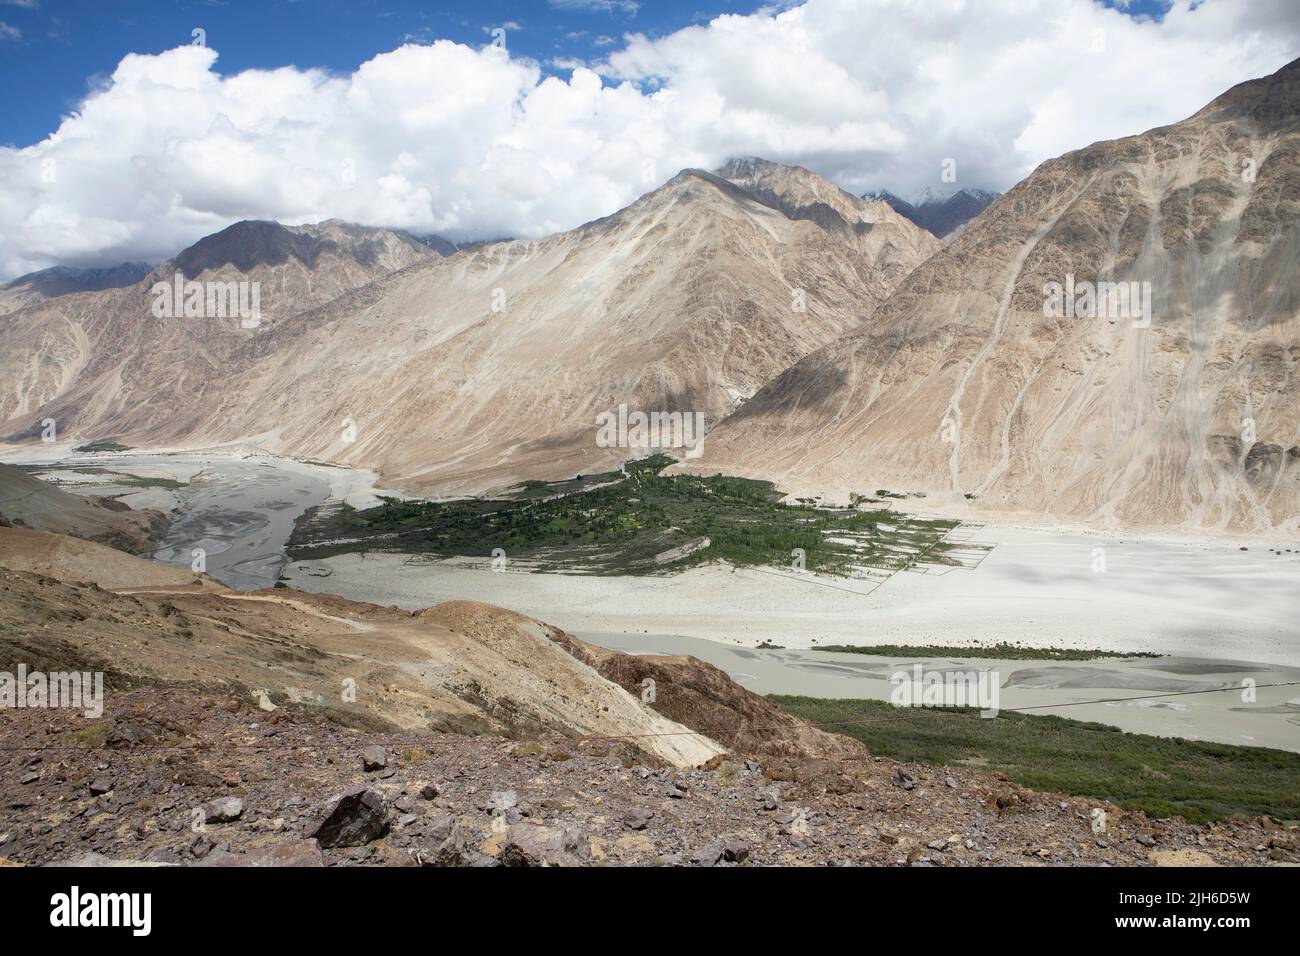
(281, 728)
(964, 387)
(459, 666)
(198, 779)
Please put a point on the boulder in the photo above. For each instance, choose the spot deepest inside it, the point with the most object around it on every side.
(353, 818)
(223, 810)
(446, 844)
(531, 844)
(374, 758)
(638, 819)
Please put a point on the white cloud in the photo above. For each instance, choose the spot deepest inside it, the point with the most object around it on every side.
(9, 33)
(472, 143)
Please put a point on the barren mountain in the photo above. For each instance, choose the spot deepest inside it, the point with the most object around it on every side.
(973, 382)
(29, 502)
(887, 238)
(491, 365)
(106, 361)
(36, 287)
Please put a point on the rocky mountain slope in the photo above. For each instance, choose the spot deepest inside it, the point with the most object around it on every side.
(36, 287)
(468, 736)
(28, 502)
(105, 362)
(962, 387)
(877, 229)
(491, 365)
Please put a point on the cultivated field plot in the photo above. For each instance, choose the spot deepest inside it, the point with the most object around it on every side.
(637, 521)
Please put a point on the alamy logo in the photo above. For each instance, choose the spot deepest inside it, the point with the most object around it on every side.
(75, 690)
(189, 299)
(1098, 300)
(103, 909)
(946, 688)
(637, 429)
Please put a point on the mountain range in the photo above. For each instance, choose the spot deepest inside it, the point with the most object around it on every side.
(481, 368)
(941, 213)
(64, 280)
(966, 386)
(831, 343)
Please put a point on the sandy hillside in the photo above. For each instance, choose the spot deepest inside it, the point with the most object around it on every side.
(960, 386)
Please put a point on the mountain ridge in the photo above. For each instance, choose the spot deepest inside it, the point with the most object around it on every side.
(963, 388)
(942, 214)
(35, 287)
(489, 366)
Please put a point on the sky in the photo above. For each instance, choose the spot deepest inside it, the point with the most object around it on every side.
(129, 129)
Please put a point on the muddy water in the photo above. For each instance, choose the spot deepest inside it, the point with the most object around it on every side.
(232, 515)
(240, 516)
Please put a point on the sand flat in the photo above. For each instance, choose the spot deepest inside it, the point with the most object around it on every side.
(1185, 598)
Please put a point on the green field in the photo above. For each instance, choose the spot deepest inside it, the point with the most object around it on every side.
(1163, 776)
(102, 445)
(633, 523)
(119, 477)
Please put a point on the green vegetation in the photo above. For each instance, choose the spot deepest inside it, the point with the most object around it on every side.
(102, 445)
(1163, 776)
(1001, 651)
(633, 522)
(89, 737)
(119, 477)
(728, 774)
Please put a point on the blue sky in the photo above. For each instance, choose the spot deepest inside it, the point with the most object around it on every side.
(63, 47)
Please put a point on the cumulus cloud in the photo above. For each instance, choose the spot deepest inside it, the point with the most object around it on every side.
(474, 143)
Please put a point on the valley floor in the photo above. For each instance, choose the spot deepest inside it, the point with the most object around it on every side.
(1220, 615)
(1037, 588)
